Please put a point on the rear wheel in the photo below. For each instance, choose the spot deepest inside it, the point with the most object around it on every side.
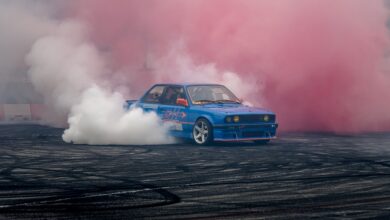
(202, 132)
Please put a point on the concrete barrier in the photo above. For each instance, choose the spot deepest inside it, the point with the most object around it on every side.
(17, 112)
(21, 112)
(37, 111)
(1, 113)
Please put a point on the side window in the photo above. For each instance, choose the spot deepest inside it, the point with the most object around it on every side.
(154, 95)
(171, 94)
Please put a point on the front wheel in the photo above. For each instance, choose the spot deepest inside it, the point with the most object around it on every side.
(202, 132)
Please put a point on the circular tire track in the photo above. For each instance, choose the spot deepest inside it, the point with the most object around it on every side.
(58, 200)
(298, 176)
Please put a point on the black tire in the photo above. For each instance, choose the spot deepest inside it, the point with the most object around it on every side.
(200, 137)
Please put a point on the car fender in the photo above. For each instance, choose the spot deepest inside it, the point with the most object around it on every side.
(209, 117)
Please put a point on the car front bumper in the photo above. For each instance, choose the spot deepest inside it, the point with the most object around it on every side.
(245, 132)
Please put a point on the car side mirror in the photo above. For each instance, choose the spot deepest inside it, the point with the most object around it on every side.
(182, 102)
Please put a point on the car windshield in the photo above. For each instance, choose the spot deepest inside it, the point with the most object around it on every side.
(205, 94)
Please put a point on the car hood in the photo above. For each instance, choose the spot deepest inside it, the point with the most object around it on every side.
(235, 109)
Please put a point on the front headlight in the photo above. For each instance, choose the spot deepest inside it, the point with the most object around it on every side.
(228, 119)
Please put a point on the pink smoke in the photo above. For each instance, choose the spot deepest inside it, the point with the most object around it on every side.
(322, 64)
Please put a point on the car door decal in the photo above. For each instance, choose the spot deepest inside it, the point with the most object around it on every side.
(173, 114)
(174, 117)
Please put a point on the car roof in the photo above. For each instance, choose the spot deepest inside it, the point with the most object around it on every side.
(187, 84)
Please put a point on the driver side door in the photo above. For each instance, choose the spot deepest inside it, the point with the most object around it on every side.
(174, 113)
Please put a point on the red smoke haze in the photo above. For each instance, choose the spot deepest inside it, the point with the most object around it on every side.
(321, 63)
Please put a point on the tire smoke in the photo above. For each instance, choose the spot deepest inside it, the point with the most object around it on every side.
(69, 72)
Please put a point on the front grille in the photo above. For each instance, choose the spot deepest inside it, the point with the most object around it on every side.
(257, 118)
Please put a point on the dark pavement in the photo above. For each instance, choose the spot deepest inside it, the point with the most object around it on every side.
(298, 176)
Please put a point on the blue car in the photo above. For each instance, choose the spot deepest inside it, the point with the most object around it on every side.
(207, 113)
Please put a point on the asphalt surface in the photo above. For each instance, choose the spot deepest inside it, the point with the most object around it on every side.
(298, 176)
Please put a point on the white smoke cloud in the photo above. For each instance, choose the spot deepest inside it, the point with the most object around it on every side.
(69, 71)
(63, 65)
(100, 119)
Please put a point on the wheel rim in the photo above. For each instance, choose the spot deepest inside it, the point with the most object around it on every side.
(201, 132)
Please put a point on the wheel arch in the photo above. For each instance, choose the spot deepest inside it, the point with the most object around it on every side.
(208, 118)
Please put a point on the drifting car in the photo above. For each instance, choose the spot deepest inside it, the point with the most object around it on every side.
(206, 113)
